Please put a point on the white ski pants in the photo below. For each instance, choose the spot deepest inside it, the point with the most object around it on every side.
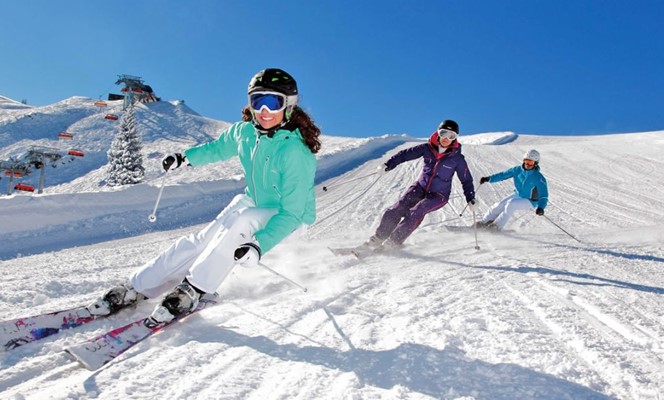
(502, 211)
(207, 257)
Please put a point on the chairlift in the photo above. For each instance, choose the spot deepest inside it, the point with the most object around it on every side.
(65, 135)
(136, 90)
(17, 174)
(111, 117)
(124, 90)
(75, 153)
(24, 187)
(100, 103)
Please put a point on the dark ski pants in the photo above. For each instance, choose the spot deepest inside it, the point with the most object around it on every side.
(400, 220)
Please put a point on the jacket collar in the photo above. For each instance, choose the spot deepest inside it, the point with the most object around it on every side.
(282, 133)
(434, 144)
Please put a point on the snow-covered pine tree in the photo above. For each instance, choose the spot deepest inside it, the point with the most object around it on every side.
(124, 157)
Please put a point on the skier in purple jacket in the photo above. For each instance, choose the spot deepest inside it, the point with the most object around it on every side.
(442, 159)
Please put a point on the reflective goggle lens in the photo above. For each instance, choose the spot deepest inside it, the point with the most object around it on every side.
(446, 134)
(274, 102)
(529, 163)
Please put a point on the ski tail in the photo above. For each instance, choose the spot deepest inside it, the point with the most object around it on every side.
(98, 351)
(357, 251)
(20, 331)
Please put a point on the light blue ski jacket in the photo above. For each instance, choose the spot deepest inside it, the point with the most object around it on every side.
(528, 184)
(279, 172)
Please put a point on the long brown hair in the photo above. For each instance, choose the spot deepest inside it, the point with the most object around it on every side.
(301, 120)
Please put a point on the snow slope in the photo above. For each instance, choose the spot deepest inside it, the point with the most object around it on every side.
(533, 314)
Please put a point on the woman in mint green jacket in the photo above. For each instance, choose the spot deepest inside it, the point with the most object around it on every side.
(276, 143)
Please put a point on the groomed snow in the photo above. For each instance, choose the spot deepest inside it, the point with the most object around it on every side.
(533, 314)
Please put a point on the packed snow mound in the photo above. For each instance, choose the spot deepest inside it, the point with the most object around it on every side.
(489, 138)
(164, 127)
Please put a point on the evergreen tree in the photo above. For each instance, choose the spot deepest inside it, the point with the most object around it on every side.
(124, 157)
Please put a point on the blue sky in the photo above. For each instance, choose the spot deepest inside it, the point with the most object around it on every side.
(364, 68)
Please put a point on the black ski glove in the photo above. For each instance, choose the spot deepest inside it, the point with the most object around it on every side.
(389, 166)
(484, 179)
(539, 211)
(248, 254)
(173, 161)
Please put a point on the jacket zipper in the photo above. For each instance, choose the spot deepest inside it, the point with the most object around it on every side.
(253, 168)
(433, 173)
(265, 170)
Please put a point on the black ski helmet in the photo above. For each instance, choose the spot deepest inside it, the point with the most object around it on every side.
(273, 79)
(449, 125)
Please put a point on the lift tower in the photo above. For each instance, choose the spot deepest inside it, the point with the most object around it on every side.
(38, 156)
(14, 168)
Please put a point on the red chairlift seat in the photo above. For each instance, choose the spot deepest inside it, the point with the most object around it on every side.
(76, 153)
(65, 135)
(17, 174)
(24, 187)
(111, 117)
(100, 103)
(136, 90)
(124, 90)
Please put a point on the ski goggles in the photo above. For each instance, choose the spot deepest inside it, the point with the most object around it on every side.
(529, 163)
(272, 101)
(446, 134)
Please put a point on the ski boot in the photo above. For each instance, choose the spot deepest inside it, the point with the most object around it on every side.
(489, 226)
(374, 242)
(182, 300)
(388, 246)
(114, 300)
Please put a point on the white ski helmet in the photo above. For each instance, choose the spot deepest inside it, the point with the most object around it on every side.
(532, 155)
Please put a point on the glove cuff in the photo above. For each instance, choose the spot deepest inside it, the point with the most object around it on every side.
(255, 247)
(181, 159)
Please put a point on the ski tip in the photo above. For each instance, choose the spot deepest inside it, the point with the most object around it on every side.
(70, 353)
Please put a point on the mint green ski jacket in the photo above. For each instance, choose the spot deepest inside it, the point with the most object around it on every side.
(279, 173)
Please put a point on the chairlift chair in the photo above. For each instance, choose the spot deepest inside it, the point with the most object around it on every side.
(75, 153)
(24, 187)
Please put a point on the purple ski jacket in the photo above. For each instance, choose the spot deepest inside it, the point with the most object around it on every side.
(439, 168)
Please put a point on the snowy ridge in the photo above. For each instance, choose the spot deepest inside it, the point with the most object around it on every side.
(533, 314)
(9, 104)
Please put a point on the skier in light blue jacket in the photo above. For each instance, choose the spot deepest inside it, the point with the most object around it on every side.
(530, 192)
(276, 144)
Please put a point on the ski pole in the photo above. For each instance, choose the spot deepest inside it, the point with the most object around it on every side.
(283, 277)
(558, 226)
(477, 245)
(464, 209)
(153, 217)
(348, 181)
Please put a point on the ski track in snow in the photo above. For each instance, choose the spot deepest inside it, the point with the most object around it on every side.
(532, 315)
